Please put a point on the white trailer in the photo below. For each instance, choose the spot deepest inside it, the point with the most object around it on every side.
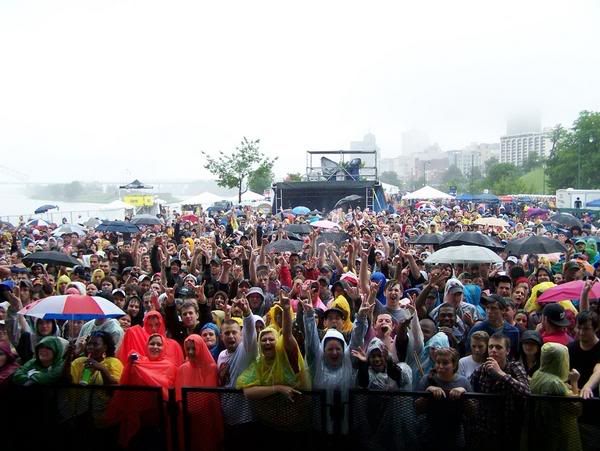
(576, 198)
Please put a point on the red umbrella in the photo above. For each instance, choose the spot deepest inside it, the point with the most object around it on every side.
(569, 290)
(73, 307)
(190, 218)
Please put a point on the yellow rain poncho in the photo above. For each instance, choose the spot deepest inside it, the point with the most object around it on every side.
(532, 304)
(558, 421)
(278, 371)
(62, 280)
(275, 317)
(341, 303)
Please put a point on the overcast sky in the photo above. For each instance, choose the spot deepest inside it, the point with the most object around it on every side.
(112, 90)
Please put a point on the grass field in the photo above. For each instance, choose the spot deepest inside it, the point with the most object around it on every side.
(534, 182)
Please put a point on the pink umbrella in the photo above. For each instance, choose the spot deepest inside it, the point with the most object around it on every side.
(566, 291)
(73, 307)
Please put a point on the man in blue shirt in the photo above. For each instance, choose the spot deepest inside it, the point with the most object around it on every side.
(495, 306)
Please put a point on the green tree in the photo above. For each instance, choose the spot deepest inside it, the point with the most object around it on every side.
(453, 176)
(236, 170)
(261, 179)
(532, 162)
(390, 177)
(508, 185)
(575, 157)
(293, 177)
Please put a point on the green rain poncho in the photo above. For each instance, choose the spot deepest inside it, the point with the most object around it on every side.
(33, 372)
(557, 420)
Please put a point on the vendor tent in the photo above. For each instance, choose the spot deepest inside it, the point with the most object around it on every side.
(427, 192)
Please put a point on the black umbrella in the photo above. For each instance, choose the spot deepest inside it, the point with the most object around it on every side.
(284, 246)
(302, 229)
(145, 220)
(51, 257)
(427, 238)
(44, 208)
(118, 227)
(470, 239)
(534, 244)
(565, 219)
(347, 200)
(290, 235)
(332, 237)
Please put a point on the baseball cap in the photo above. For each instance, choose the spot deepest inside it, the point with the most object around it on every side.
(571, 264)
(555, 313)
(215, 260)
(244, 282)
(8, 284)
(335, 310)
(495, 298)
(350, 278)
(456, 289)
(531, 335)
(119, 291)
(143, 277)
(512, 259)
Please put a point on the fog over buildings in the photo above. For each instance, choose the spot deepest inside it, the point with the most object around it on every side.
(117, 90)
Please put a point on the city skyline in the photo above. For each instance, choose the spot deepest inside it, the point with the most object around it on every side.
(121, 90)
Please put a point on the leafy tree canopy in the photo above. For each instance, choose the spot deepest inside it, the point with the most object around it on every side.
(246, 166)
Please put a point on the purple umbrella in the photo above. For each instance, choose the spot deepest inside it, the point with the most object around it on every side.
(532, 212)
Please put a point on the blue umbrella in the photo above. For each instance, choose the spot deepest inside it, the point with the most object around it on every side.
(300, 210)
(44, 208)
(118, 227)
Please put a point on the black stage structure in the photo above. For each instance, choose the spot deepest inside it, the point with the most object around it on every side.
(330, 176)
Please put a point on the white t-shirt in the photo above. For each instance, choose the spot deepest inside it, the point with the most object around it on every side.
(467, 366)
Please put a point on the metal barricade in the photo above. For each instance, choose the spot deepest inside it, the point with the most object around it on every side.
(213, 419)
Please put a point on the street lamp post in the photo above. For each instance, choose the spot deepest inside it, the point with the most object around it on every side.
(590, 140)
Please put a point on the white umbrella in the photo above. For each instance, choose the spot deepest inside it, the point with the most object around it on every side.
(492, 221)
(68, 229)
(464, 254)
(325, 224)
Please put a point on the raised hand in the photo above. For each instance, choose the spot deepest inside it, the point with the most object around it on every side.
(242, 304)
(359, 354)
(199, 289)
(307, 306)
(170, 296)
(284, 300)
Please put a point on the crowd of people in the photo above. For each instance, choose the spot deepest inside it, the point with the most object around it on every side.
(210, 302)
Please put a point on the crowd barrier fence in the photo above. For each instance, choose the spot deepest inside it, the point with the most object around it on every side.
(81, 418)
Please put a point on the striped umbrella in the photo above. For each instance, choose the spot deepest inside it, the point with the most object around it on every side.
(73, 307)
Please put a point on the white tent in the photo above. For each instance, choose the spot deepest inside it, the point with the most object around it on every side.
(205, 199)
(249, 196)
(427, 192)
(117, 205)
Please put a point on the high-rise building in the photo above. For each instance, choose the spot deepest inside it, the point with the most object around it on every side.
(475, 155)
(516, 148)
